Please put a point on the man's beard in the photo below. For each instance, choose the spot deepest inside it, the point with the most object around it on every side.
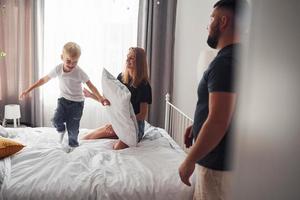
(213, 39)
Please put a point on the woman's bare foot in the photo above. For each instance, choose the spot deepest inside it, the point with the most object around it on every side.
(120, 145)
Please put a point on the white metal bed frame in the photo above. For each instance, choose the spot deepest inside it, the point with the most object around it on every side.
(176, 122)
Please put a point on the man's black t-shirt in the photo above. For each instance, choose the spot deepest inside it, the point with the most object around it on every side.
(141, 94)
(217, 78)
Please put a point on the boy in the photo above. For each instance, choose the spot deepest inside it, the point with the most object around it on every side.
(70, 104)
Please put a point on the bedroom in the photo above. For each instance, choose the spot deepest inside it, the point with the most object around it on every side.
(189, 41)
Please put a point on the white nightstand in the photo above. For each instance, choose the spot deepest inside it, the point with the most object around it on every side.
(12, 111)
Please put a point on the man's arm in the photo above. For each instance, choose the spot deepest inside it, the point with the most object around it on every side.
(40, 82)
(221, 109)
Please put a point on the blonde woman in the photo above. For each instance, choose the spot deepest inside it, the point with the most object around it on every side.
(135, 78)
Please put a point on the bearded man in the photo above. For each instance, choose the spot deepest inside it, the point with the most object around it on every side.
(215, 107)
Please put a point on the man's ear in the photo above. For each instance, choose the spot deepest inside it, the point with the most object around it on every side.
(61, 57)
(224, 22)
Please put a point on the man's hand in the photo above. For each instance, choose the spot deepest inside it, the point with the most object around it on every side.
(188, 137)
(185, 170)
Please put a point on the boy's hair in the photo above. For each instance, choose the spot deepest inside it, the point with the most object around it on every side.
(141, 69)
(72, 49)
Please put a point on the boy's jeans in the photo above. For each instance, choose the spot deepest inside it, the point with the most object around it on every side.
(68, 112)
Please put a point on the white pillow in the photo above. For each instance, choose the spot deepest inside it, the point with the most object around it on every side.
(3, 132)
(120, 112)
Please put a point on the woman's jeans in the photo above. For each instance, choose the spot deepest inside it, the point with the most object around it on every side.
(141, 126)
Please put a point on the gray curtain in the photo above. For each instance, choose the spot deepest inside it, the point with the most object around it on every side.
(37, 111)
(156, 34)
(18, 68)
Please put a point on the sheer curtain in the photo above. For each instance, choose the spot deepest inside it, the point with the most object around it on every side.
(104, 29)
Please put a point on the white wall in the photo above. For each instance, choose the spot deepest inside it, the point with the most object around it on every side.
(190, 40)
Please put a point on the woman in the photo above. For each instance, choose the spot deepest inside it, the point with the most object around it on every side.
(135, 78)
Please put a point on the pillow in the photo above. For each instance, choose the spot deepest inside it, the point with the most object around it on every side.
(8, 147)
(3, 132)
(120, 112)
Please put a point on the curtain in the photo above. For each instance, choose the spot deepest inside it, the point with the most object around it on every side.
(17, 41)
(38, 51)
(156, 34)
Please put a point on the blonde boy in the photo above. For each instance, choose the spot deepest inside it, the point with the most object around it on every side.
(70, 104)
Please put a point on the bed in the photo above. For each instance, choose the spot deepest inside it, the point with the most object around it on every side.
(42, 170)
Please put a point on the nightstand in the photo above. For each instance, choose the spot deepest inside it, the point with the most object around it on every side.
(12, 112)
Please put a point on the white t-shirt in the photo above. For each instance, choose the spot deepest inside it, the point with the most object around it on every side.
(70, 83)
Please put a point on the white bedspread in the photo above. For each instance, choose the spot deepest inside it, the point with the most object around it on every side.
(42, 170)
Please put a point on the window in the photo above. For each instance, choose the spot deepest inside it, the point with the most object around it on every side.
(104, 29)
